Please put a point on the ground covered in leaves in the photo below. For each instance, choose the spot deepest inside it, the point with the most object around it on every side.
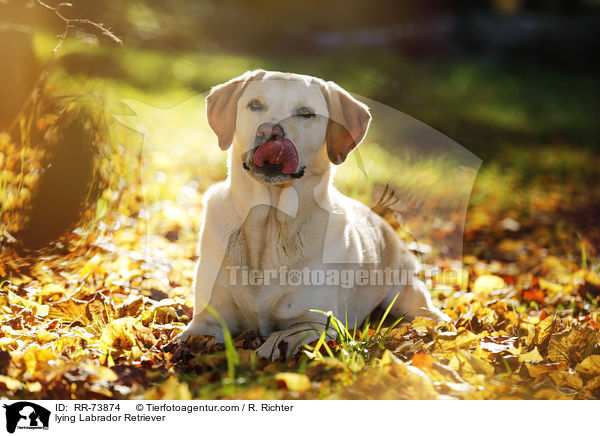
(74, 328)
(94, 314)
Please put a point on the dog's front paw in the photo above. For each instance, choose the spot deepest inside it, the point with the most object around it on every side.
(285, 343)
(197, 327)
(270, 348)
(277, 346)
(432, 313)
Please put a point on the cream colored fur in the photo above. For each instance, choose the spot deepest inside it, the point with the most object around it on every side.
(293, 222)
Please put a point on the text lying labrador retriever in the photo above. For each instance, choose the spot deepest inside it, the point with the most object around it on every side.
(277, 239)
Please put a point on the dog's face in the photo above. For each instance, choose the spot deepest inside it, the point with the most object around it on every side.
(280, 129)
(284, 126)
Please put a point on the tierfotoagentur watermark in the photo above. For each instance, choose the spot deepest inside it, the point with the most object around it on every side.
(346, 278)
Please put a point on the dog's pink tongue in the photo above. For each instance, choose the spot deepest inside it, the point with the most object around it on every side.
(279, 152)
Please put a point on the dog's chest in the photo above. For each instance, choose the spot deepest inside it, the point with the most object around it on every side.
(269, 239)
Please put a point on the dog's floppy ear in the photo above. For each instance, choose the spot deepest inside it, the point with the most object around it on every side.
(221, 106)
(348, 122)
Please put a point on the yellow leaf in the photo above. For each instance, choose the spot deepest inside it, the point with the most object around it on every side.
(592, 385)
(465, 338)
(92, 264)
(590, 365)
(422, 324)
(415, 381)
(143, 335)
(533, 356)
(487, 283)
(551, 287)
(422, 361)
(131, 308)
(6, 343)
(69, 311)
(10, 383)
(104, 373)
(530, 335)
(555, 266)
(573, 345)
(537, 370)
(482, 366)
(171, 389)
(386, 358)
(50, 289)
(20, 302)
(44, 336)
(119, 334)
(34, 386)
(42, 310)
(593, 277)
(566, 378)
(59, 345)
(35, 357)
(293, 381)
(511, 245)
(164, 315)
(550, 394)
(544, 328)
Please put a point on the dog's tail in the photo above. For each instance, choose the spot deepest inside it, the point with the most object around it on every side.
(383, 207)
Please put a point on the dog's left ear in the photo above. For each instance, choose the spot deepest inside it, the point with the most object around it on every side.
(348, 122)
(221, 106)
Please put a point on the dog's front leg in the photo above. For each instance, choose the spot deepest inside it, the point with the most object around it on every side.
(214, 238)
(203, 322)
(289, 340)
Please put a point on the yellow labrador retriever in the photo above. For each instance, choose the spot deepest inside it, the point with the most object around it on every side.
(278, 241)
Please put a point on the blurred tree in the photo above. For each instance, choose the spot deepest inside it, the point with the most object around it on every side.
(18, 78)
(20, 71)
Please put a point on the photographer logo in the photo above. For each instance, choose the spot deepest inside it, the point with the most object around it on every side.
(26, 415)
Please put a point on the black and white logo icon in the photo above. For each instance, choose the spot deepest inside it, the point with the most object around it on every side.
(26, 415)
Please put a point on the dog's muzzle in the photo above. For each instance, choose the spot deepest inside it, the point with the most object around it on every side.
(275, 149)
(274, 158)
(279, 152)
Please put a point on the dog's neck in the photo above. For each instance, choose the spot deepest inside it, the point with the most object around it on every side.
(294, 199)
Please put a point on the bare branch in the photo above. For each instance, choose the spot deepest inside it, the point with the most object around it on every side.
(69, 23)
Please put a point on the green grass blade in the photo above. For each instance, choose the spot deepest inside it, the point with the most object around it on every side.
(321, 340)
(386, 313)
(233, 360)
(583, 251)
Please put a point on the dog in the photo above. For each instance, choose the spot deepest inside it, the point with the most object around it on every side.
(278, 212)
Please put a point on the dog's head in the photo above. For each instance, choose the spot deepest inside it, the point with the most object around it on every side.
(284, 125)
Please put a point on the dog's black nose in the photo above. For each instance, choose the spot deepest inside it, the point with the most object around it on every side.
(269, 132)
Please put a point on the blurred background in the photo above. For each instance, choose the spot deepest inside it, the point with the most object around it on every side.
(483, 154)
(513, 81)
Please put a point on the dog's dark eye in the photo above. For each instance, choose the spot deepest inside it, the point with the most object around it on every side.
(305, 112)
(255, 105)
